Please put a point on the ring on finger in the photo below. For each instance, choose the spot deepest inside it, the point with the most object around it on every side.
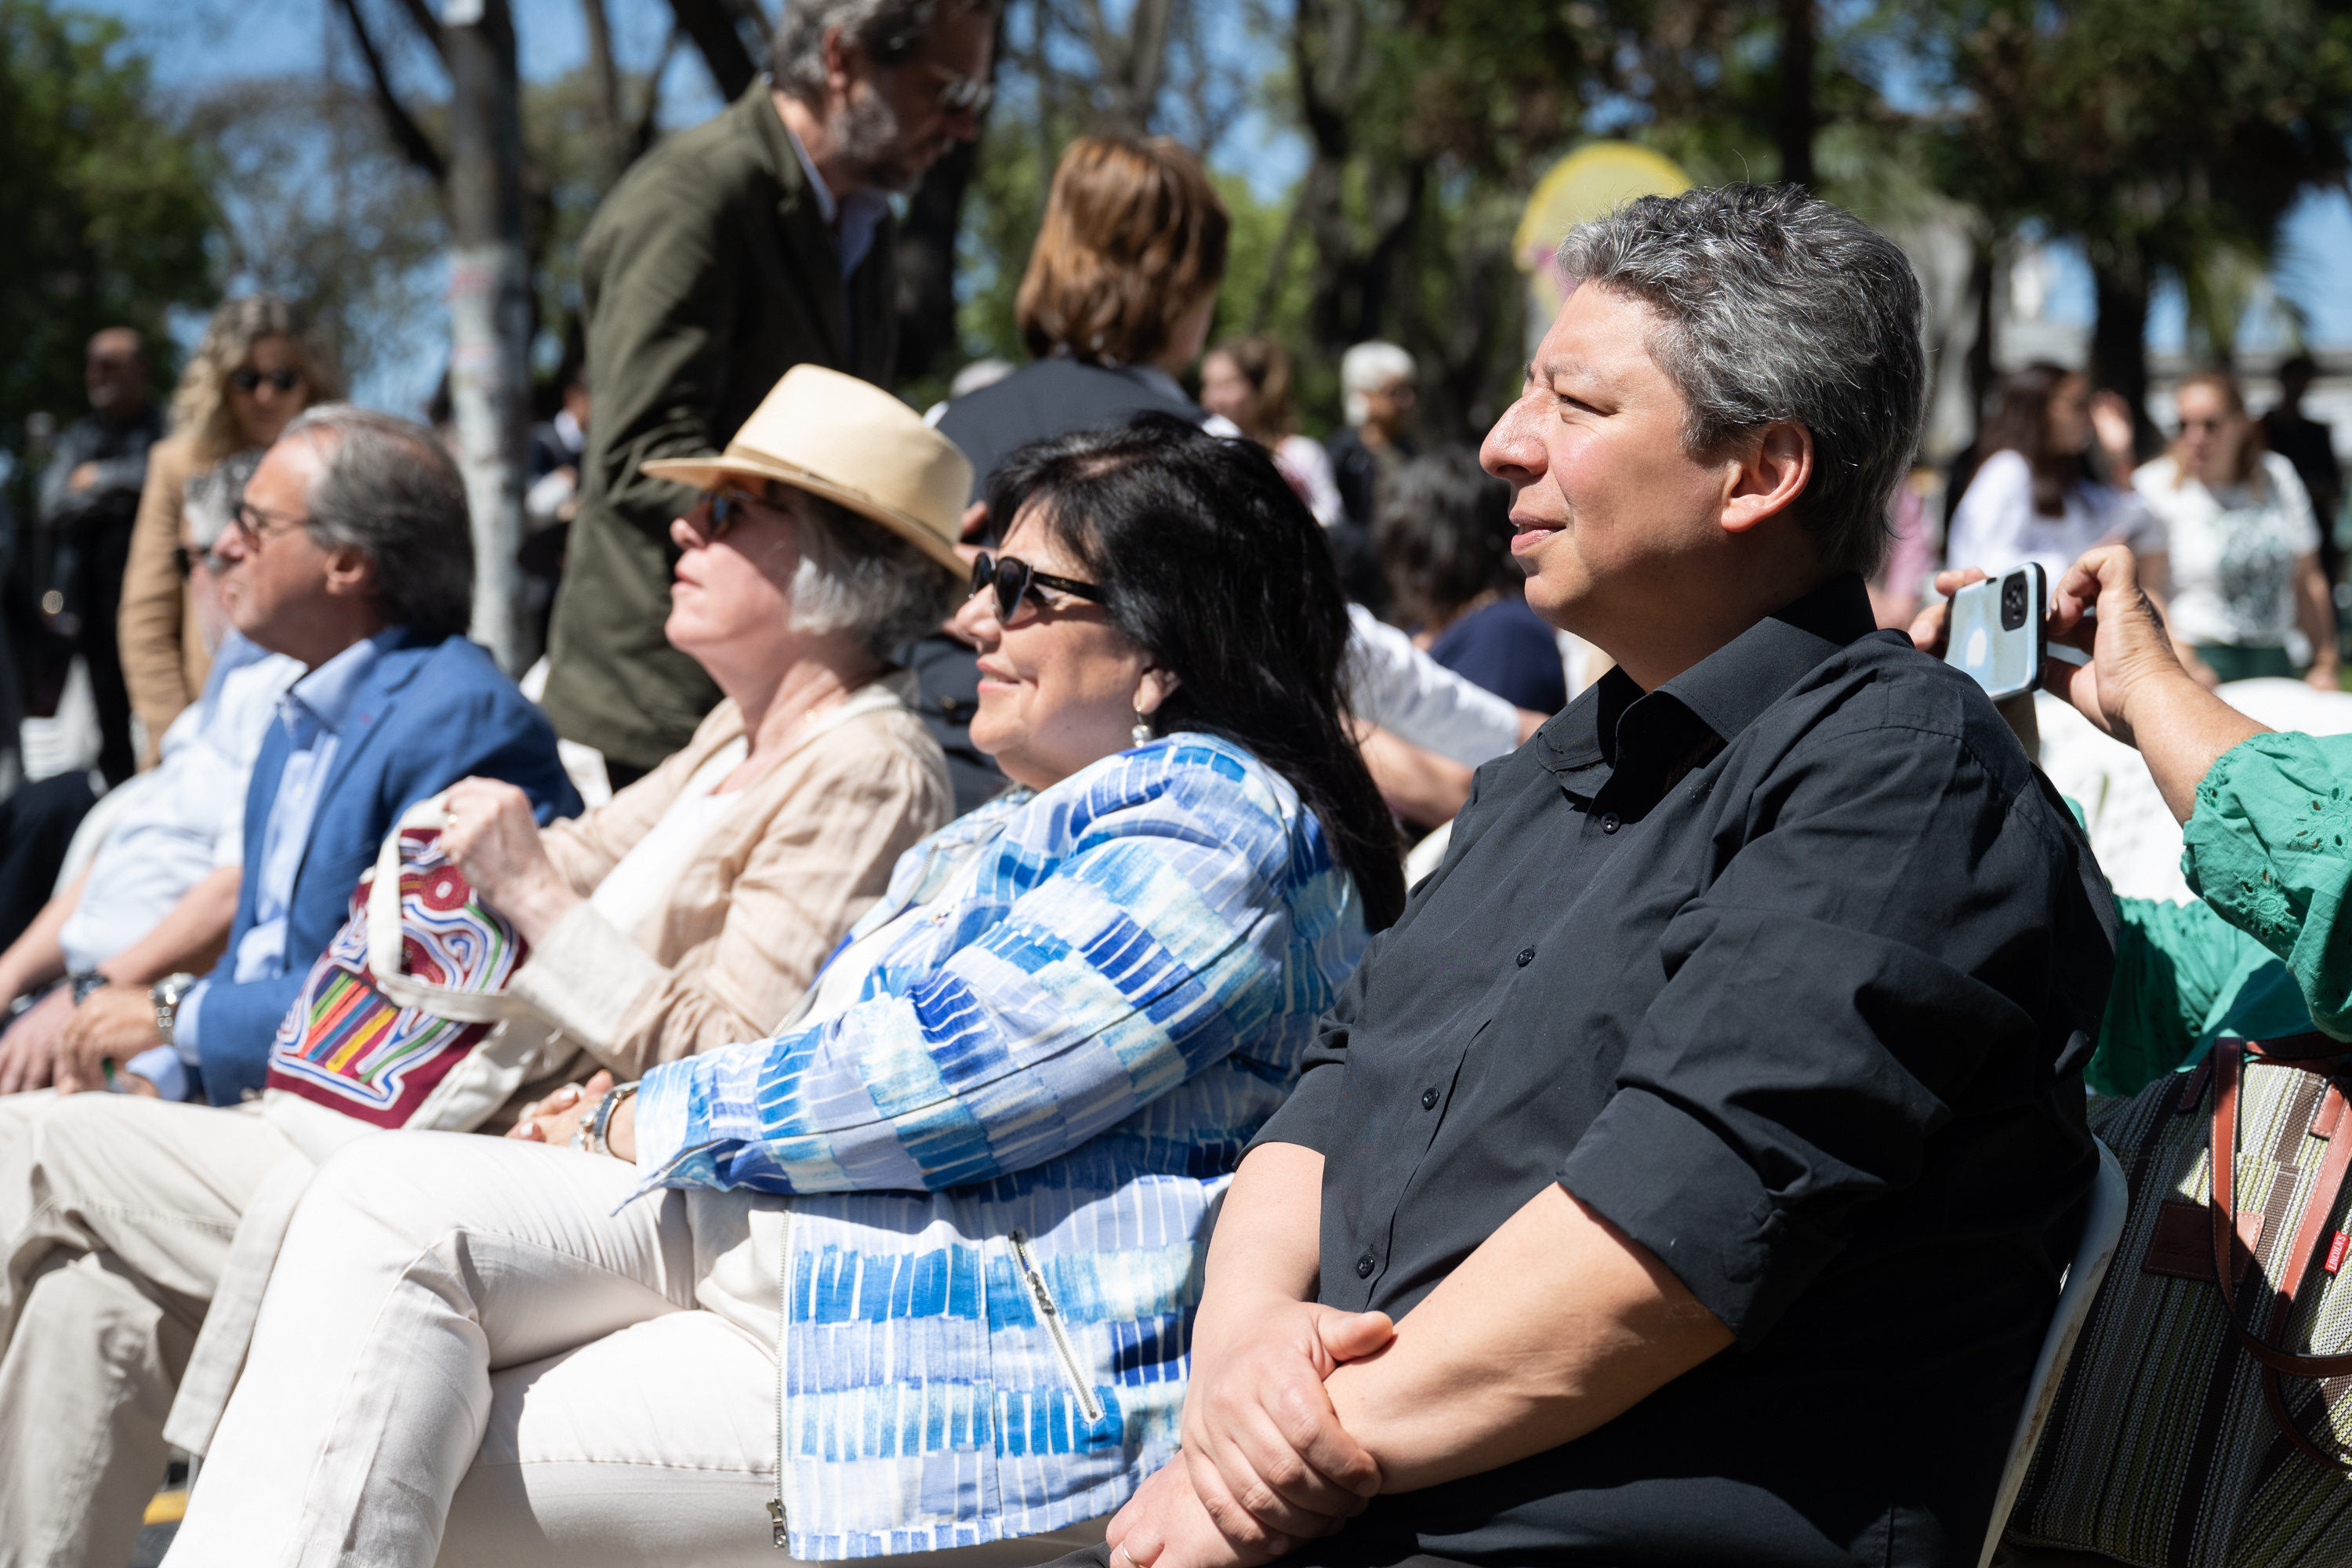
(1123, 1551)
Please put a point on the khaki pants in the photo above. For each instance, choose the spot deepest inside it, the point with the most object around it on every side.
(116, 1218)
(481, 1352)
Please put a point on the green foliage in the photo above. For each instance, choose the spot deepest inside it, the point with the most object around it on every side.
(106, 203)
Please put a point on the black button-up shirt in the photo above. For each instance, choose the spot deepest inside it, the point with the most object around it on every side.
(1788, 969)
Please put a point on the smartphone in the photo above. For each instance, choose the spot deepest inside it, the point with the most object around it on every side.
(1999, 631)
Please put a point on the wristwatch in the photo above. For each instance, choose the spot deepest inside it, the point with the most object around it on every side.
(589, 1136)
(167, 993)
(83, 983)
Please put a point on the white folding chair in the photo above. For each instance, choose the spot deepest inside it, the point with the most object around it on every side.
(2101, 1228)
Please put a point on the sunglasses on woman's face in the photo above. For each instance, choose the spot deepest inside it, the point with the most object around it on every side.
(1014, 579)
(717, 511)
(247, 379)
(187, 558)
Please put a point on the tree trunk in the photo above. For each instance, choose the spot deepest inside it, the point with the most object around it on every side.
(2119, 275)
(605, 79)
(489, 313)
(926, 258)
(1796, 118)
(711, 25)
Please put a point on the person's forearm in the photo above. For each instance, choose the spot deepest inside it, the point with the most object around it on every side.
(37, 956)
(1556, 1324)
(1266, 1243)
(1420, 787)
(189, 938)
(2181, 730)
(2316, 614)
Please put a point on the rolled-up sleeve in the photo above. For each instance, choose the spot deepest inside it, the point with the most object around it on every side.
(1745, 1143)
(2270, 847)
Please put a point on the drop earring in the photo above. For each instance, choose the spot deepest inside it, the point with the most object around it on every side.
(1142, 734)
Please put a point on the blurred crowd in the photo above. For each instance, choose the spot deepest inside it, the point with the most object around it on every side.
(935, 845)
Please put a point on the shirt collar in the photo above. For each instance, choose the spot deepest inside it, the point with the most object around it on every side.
(1726, 692)
(325, 695)
(852, 219)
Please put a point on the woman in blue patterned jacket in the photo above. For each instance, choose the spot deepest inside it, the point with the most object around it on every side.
(916, 1274)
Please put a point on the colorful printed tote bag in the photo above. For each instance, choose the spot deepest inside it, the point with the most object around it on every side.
(405, 1020)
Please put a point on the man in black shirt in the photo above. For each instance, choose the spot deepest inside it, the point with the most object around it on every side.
(1711, 1125)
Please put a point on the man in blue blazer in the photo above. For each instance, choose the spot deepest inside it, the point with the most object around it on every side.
(352, 553)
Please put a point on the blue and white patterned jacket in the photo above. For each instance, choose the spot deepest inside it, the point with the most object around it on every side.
(1011, 1140)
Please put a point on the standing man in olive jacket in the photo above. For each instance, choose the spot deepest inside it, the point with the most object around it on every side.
(756, 241)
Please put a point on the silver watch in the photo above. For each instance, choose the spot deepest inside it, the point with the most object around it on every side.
(167, 993)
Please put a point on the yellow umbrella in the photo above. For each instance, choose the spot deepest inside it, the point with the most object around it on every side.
(1595, 178)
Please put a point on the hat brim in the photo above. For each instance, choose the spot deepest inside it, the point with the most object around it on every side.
(703, 473)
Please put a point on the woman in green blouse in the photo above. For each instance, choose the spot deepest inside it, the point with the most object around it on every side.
(2267, 823)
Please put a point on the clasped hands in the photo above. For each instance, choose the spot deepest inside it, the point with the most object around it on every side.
(1266, 1463)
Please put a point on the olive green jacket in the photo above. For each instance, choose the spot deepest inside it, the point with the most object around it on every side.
(706, 275)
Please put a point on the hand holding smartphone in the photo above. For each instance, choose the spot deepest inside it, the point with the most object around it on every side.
(1998, 632)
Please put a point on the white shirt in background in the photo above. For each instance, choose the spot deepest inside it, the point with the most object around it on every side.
(188, 819)
(2233, 552)
(1996, 527)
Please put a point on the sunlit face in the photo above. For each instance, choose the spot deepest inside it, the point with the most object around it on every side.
(2213, 434)
(1606, 506)
(1225, 390)
(272, 573)
(733, 590)
(2067, 420)
(263, 409)
(1059, 687)
(895, 125)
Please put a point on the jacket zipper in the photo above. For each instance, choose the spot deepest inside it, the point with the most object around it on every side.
(1050, 1315)
(776, 1519)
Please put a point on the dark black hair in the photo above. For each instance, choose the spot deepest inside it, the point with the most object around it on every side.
(1208, 560)
(2020, 423)
(1444, 524)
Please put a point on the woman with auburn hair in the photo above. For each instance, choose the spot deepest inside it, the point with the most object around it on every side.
(262, 361)
(1247, 380)
(2244, 543)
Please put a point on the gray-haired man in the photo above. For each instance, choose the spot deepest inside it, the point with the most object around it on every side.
(760, 240)
(350, 553)
(1710, 1127)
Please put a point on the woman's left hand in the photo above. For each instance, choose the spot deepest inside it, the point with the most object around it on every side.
(492, 836)
(2323, 677)
(554, 1118)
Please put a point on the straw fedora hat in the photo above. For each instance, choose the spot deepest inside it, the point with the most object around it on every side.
(848, 441)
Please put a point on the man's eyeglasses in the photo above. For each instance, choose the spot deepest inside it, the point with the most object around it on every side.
(245, 378)
(959, 93)
(256, 525)
(1014, 579)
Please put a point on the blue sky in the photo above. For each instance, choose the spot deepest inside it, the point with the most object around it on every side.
(196, 42)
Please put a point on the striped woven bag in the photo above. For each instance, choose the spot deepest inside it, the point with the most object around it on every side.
(405, 1021)
(2204, 1420)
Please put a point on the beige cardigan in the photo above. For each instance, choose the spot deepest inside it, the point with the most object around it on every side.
(766, 898)
(163, 661)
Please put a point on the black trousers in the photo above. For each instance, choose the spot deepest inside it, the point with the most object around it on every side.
(36, 824)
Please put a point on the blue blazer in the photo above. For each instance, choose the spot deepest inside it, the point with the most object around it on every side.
(429, 714)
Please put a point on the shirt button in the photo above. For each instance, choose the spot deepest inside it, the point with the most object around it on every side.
(1527, 956)
(1609, 823)
(1364, 1267)
(1429, 1100)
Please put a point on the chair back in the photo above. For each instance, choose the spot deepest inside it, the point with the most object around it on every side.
(2103, 1229)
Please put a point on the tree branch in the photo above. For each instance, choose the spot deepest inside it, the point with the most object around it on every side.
(429, 24)
(406, 134)
(711, 25)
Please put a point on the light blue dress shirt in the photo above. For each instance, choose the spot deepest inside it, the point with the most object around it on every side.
(314, 712)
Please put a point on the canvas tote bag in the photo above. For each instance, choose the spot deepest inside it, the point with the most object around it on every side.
(2207, 1417)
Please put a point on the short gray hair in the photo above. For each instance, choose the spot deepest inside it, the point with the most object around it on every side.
(1367, 368)
(1774, 305)
(387, 488)
(856, 575)
(888, 30)
(212, 498)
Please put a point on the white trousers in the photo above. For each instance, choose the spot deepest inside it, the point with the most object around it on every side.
(116, 1219)
(465, 1356)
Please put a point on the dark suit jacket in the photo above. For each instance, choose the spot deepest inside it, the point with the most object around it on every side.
(707, 274)
(429, 714)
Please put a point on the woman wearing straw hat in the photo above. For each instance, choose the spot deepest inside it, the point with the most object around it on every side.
(692, 909)
(970, 1182)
